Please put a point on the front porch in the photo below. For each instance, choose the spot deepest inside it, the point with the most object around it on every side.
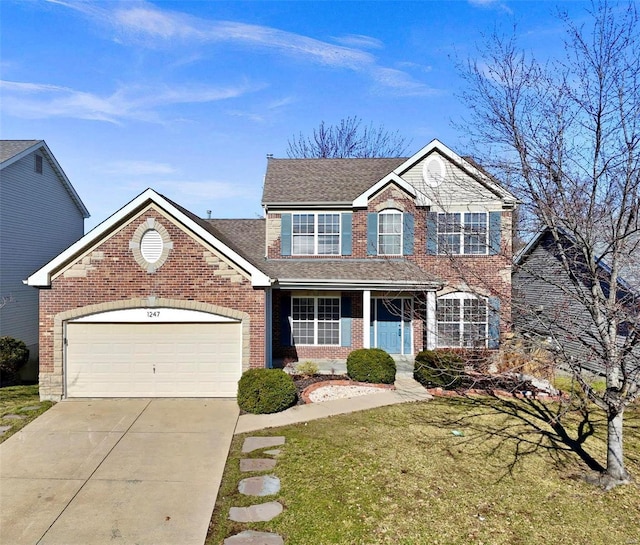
(337, 366)
(326, 326)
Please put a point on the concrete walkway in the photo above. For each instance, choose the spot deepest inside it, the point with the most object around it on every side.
(407, 389)
(121, 471)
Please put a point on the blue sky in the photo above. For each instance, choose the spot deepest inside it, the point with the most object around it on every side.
(188, 97)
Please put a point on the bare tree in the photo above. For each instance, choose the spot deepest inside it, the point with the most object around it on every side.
(349, 138)
(565, 136)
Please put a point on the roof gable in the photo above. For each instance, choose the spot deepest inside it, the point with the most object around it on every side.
(12, 151)
(42, 277)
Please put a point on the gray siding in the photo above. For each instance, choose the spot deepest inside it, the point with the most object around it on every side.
(38, 219)
(457, 187)
(541, 307)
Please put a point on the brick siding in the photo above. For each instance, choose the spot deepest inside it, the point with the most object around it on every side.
(194, 276)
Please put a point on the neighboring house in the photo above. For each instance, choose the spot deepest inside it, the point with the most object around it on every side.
(401, 254)
(547, 305)
(40, 215)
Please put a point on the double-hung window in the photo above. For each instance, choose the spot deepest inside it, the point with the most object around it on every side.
(462, 321)
(463, 233)
(316, 234)
(315, 320)
(390, 232)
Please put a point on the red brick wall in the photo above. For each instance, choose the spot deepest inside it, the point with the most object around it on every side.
(116, 276)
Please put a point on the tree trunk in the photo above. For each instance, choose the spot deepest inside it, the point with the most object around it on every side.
(616, 472)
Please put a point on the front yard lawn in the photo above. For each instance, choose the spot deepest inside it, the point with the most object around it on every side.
(399, 475)
(19, 405)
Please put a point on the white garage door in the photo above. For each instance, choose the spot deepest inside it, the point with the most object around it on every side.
(153, 360)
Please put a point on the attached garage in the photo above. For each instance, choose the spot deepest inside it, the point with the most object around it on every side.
(109, 355)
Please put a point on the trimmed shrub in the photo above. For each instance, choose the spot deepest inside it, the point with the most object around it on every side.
(438, 368)
(265, 391)
(371, 365)
(307, 368)
(13, 355)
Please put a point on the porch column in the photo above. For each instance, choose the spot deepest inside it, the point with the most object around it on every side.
(366, 318)
(431, 322)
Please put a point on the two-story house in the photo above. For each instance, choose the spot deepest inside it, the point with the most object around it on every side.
(40, 215)
(401, 254)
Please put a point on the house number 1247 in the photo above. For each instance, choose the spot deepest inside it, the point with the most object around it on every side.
(153, 314)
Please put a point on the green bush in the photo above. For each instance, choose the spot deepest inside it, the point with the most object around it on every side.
(264, 391)
(439, 368)
(371, 365)
(307, 368)
(13, 355)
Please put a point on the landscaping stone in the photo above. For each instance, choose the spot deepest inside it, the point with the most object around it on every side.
(4, 429)
(262, 512)
(273, 452)
(265, 485)
(13, 417)
(257, 464)
(249, 537)
(254, 443)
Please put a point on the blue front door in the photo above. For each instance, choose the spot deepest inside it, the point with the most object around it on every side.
(388, 320)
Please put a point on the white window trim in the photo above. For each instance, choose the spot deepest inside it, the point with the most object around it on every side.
(461, 296)
(462, 232)
(315, 231)
(389, 212)
(316, 321)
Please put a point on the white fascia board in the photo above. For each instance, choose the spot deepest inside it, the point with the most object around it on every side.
(435, 144)
(363, 200)
(42, 277)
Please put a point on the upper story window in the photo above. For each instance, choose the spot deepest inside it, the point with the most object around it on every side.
(463, 233)
(390, 232)
(463, 321)
(316, 234)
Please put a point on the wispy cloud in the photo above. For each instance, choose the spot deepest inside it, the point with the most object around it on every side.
(491, 4)
(138, 168)
(359, 40)
(208, 190)
(38, 101)
(145, 24)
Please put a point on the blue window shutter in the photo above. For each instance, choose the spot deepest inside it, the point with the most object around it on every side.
(407, 234)
(494, 322)
(285, 234)
(285, 324)
(495, 222)
(346, 219)
(432, 233)
(372, 233)
(345, 321)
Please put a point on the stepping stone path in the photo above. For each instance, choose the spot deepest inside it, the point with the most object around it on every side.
(4, 429)
(13, 417)
(257, 464)
(249, 537)
(264, 485)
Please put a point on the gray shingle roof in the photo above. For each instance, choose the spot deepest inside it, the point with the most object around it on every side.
(11, 148)
(247, 237)
(323, 180)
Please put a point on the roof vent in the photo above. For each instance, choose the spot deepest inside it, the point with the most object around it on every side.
(151, 246)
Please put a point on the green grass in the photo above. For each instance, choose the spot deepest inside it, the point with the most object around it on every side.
(13, 400)
(398, 475)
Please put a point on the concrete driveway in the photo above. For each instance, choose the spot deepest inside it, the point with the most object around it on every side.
(115, 471)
